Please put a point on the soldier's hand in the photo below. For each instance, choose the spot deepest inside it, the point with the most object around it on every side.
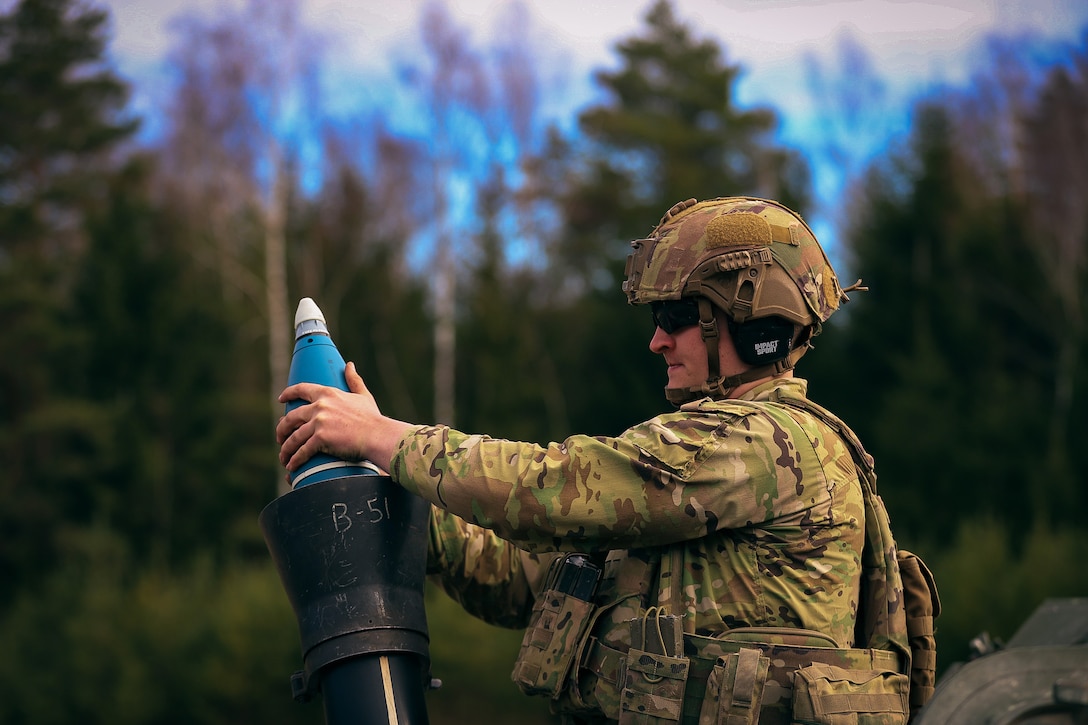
(346, 425)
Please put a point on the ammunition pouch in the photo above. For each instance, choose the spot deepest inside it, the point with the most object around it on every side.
(655, 671)
(770, 676)
(734, 689)
(557, 627)
(830, 695)
(558, 623)
(923, 605)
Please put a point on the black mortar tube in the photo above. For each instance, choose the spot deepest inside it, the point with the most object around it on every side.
(351, 553)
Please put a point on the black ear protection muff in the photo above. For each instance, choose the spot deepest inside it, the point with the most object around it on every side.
(764, 340)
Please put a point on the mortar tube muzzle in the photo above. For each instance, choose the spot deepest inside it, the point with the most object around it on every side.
(351, 553)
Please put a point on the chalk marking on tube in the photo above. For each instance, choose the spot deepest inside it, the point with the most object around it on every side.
(387, 683)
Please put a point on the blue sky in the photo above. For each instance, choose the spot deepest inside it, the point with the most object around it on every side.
(909, 46)
(913, 44)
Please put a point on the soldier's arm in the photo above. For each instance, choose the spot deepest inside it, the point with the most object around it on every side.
(491, 579)
(671, 479)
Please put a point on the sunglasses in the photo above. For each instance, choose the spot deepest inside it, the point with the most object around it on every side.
(673, 315)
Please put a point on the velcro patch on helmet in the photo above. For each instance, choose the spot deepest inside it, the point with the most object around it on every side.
(740, 229)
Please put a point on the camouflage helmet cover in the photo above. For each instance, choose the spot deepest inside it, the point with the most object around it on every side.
(752, 257)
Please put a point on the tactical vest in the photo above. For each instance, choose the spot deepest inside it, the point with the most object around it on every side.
(619, 656)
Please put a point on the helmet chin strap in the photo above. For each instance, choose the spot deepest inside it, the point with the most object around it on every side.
(708, 327)
(717, 386)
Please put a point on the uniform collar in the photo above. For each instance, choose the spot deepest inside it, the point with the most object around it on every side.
(780, 387)
(789, 387)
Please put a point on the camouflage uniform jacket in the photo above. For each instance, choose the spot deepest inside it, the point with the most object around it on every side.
(759, 502)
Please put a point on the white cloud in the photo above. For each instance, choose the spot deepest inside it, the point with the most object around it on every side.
(916, 38)
(911, 43)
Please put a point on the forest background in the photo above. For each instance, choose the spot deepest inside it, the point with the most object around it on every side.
(471, 268)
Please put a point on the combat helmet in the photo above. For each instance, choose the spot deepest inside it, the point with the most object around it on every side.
(753, 258)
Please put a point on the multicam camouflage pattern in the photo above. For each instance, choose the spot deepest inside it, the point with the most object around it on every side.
(550, 644)
(490, 578)
(825, 693)
(698, 247)
(734, 513)
(765, 496)
(790, 657)
(653, 688)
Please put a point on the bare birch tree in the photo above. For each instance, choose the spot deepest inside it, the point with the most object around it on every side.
(455, 95)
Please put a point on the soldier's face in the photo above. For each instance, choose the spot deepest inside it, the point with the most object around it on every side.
(685, 354)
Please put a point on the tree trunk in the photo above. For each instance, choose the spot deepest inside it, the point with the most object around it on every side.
(275, 270)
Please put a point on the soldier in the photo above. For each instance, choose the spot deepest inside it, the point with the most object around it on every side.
(707, 536)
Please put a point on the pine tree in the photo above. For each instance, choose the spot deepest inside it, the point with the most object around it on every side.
(669, 129)
(674, 125)
(63, 109)
(61, 114)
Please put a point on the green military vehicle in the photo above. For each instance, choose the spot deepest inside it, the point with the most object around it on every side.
(1040, 677)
